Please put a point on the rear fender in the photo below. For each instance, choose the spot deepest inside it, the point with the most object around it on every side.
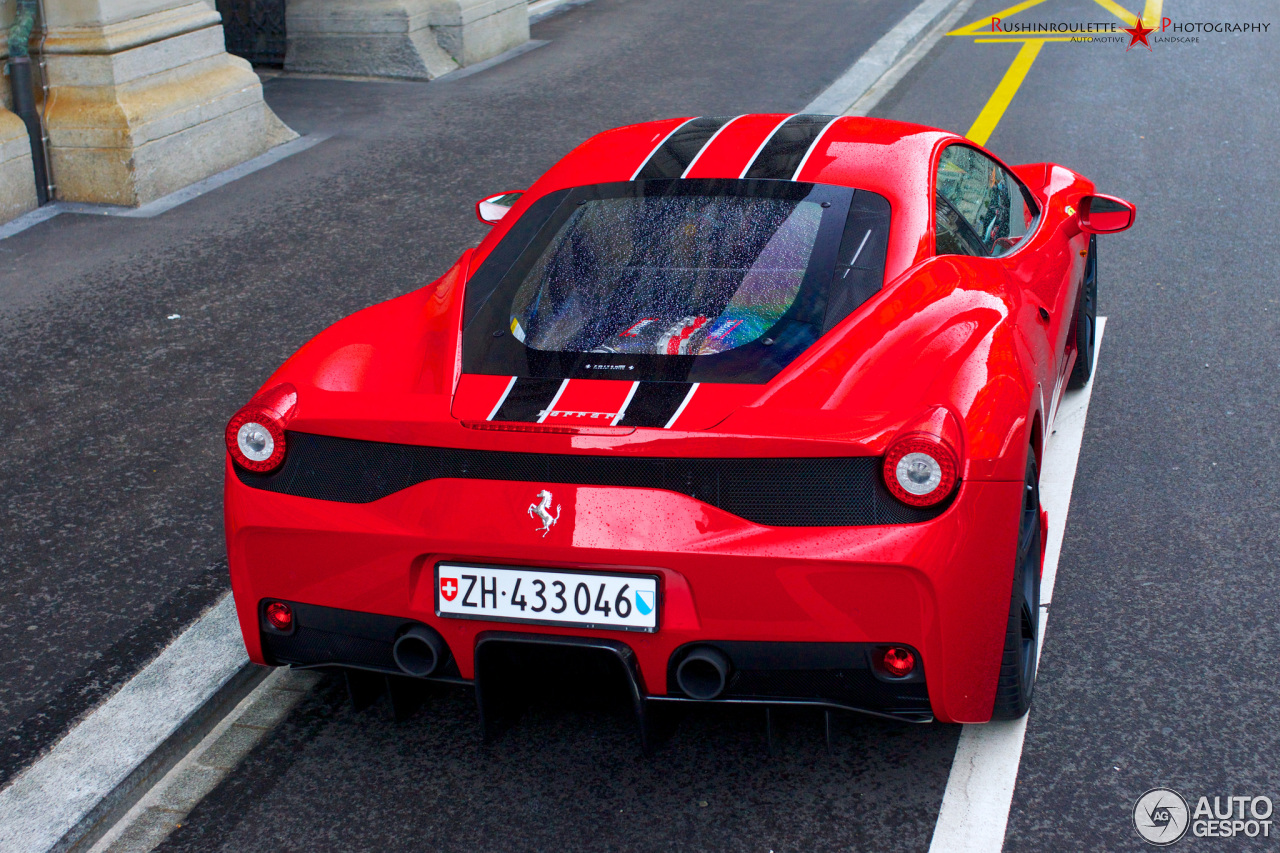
(941, 335)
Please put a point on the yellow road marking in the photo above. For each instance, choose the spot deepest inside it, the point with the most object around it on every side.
(978, 27)
(1011, 37)
(1119, 11)
(985, 124)
(1151, 15)
(996, 38)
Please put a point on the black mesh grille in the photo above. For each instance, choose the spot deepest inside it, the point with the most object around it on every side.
(798, 492)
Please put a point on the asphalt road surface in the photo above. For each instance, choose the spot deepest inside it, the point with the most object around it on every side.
(1161, 665)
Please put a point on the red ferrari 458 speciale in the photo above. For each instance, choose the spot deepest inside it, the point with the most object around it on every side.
(748, 407)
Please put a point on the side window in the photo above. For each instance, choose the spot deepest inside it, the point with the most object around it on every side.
(859, 272)
(989, 199)
(953, 235)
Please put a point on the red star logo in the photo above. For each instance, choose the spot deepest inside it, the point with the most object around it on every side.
(1138, 33)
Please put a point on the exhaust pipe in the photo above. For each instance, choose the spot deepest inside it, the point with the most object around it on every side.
(704, 673)
(419, 651)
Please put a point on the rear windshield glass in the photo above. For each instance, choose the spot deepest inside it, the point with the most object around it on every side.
(671, 280)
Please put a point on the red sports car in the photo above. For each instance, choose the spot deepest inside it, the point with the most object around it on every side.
(750, 406)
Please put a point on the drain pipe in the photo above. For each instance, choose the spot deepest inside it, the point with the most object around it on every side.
(24, 100)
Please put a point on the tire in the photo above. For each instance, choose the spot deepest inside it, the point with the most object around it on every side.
(1086, 320)
(1022, 632)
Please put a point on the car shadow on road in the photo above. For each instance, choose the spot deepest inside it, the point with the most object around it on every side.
(570, 775)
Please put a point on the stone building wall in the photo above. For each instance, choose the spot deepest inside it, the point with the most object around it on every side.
(17, 182)
(411, 39)
(144, 99)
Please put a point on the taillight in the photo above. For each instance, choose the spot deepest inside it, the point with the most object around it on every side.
(922, 466)
(255, 435)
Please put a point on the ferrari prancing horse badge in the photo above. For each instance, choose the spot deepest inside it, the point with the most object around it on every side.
(541, 509)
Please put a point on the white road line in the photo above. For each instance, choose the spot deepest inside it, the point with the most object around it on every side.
(540, 9)
(837, 98)
(893, 76)
(57, 801)
(975, 807)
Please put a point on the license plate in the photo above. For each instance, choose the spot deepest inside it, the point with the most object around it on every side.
(547, 597)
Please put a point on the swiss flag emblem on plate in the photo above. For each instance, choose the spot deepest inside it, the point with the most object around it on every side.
(449, 588)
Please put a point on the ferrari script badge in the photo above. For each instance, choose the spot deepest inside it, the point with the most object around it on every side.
(541, 511)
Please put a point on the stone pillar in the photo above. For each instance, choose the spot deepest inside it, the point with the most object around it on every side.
(17, 182)
(411, 39)
(144, 99)
(475, 30)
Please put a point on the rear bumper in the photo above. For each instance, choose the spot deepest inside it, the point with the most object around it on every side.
(940, 586)
(831, 675)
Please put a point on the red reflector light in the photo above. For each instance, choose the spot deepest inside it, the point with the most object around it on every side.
(280, 615)
(899, 662)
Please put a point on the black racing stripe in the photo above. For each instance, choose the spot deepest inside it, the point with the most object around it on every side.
(654, 403)
(784, 151)
(528, 399)
(674, 156)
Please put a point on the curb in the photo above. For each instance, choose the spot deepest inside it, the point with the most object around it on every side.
(99, 769)
(166, 803)
(850, 86)
(170, 201)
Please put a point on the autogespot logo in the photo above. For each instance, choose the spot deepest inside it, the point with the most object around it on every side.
(1160, 816)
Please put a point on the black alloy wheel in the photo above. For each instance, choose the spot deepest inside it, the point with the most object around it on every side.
(1086, 320)
(1022, 634)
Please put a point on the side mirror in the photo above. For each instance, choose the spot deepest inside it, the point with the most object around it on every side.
(1106, 214)
(493, 208)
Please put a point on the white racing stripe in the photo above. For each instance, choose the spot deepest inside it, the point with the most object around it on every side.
(751, 162)
(795, 176)
(975, 806)
(683, 403)
(658, 147)
(552, 405)
(707, 145)
(502, 399)
(622, 410)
